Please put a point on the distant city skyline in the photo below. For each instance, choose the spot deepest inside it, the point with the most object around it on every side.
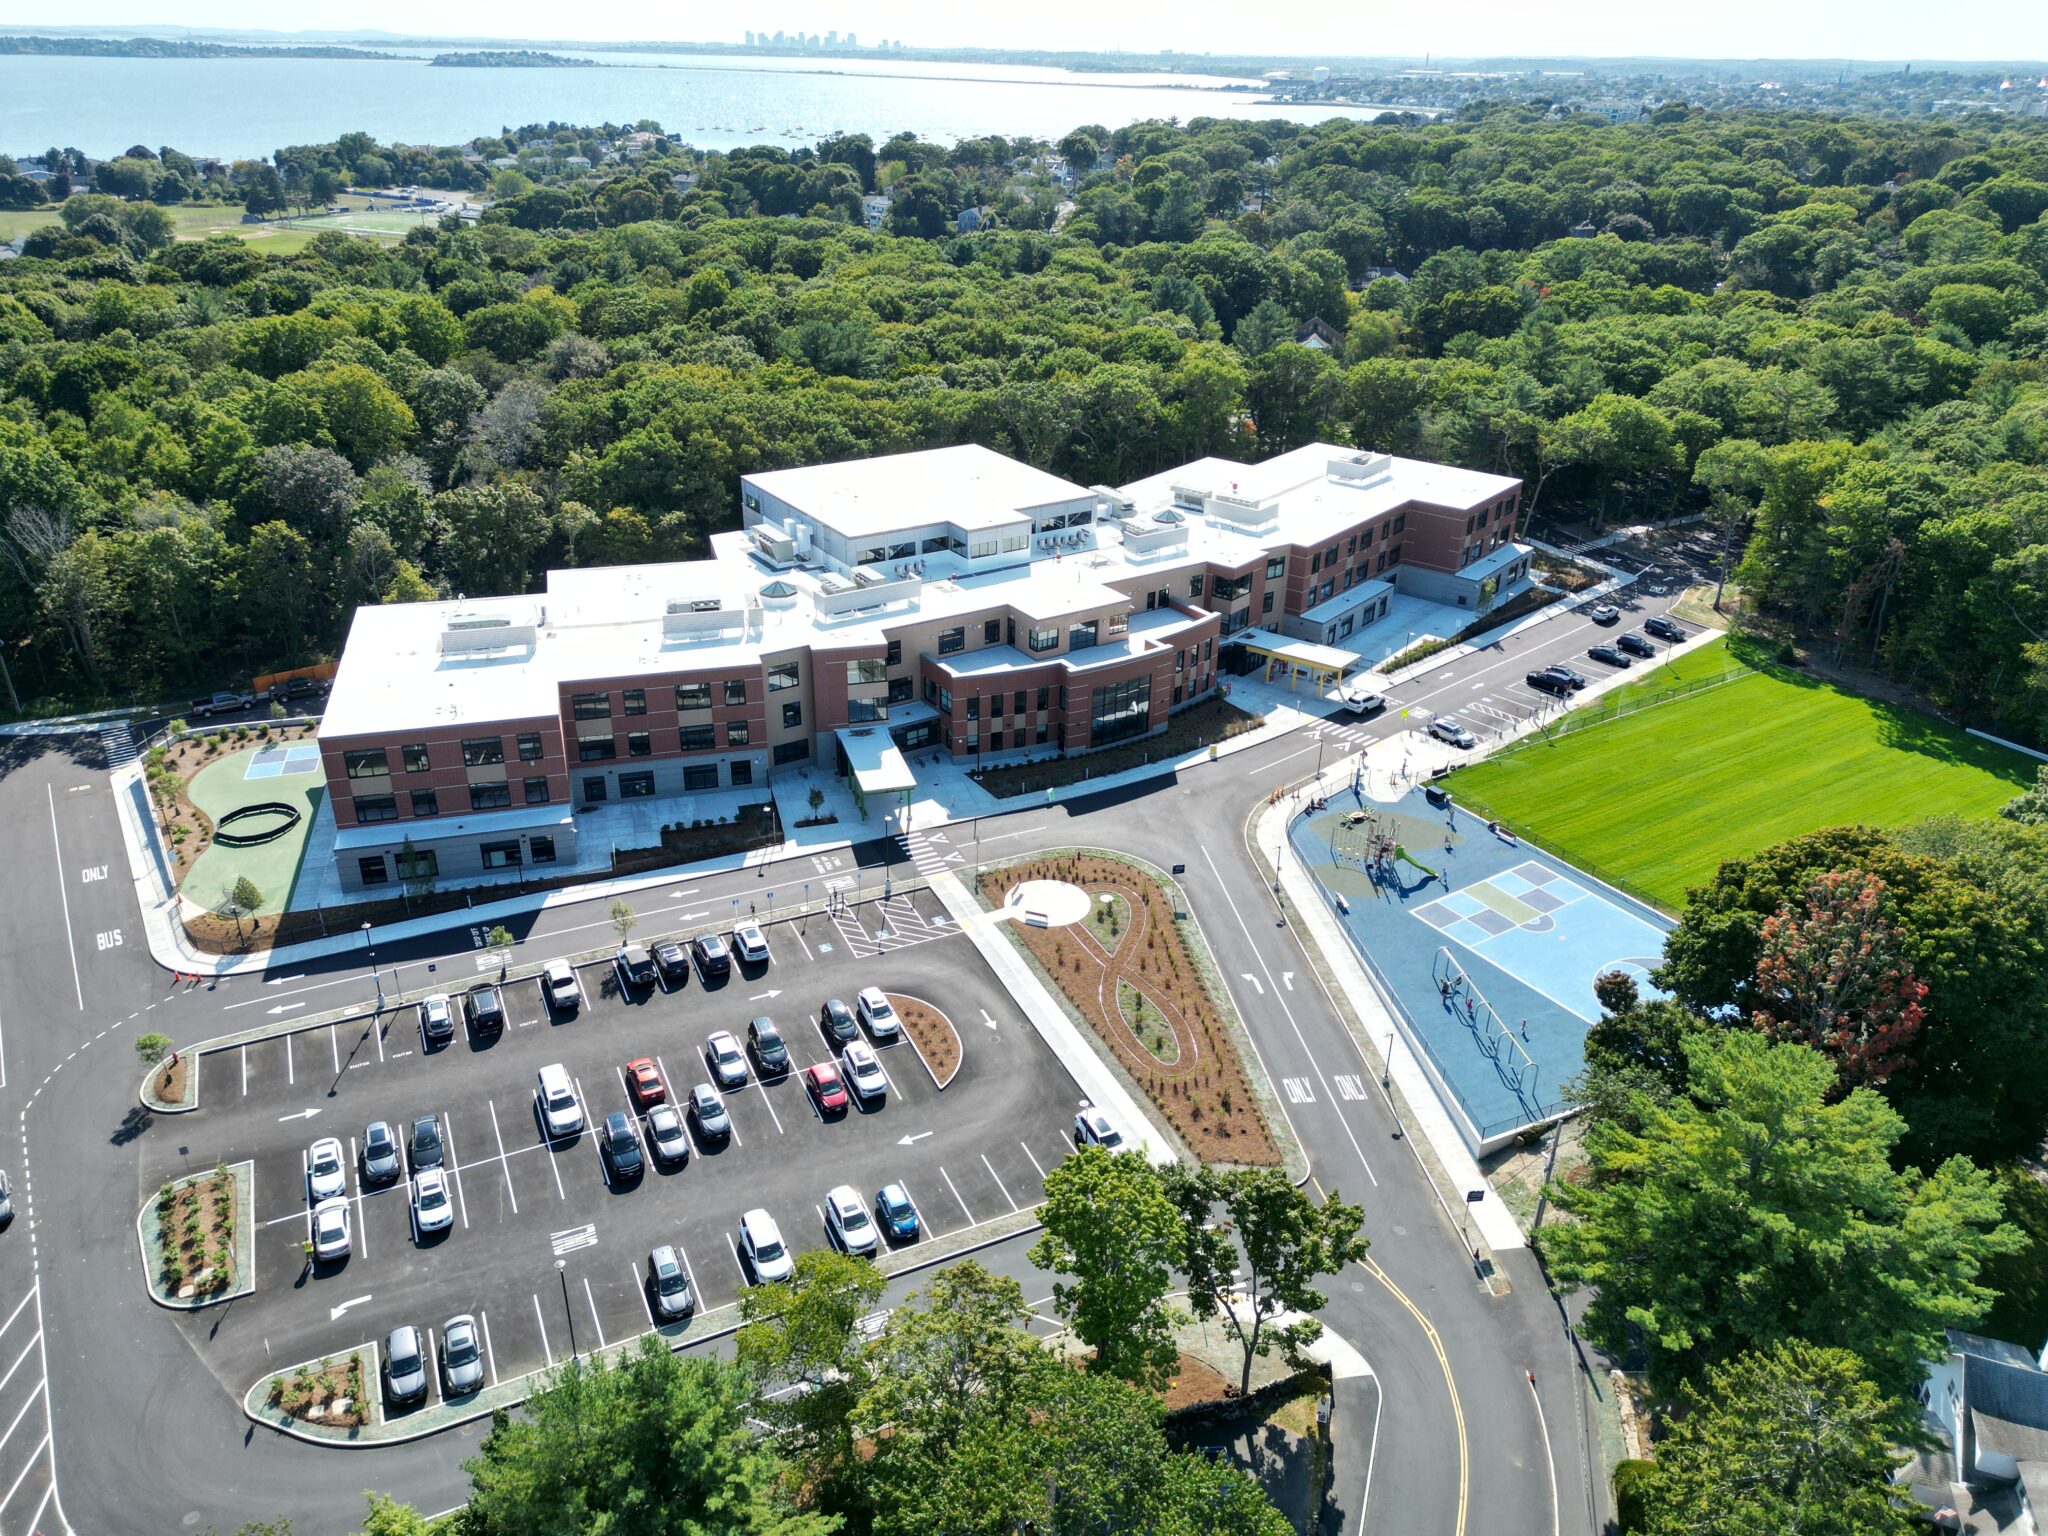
(1738, 29)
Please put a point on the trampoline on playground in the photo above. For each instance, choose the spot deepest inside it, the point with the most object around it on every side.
(276, 762)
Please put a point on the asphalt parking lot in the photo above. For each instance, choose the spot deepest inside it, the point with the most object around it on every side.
(975, 1152)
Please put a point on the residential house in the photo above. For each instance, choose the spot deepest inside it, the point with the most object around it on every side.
(1318, 335)
(1987, 1405)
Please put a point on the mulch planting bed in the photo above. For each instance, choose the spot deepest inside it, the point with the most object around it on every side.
(332, 1392)
(937, 1041)
(171, 1080)
(196, 1222)
(1197, 1082)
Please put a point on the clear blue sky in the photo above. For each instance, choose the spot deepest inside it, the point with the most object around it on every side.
(1865, 29)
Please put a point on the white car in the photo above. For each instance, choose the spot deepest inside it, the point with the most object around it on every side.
(431, 1211)
(556, 1095)
(750, 943)
(326, 1173)
(727, 1061)
(330, 1228)
(1094, 1128)
(761, 1242)
(846, 1216)
(875, 1012)
(1446, 728)
(558, 981)
(437, 1017)
(1362, 701)
(863, 1069)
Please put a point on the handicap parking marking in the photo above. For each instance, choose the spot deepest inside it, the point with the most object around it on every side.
(569, 1239)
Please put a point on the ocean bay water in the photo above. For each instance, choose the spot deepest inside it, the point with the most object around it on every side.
(237, 108)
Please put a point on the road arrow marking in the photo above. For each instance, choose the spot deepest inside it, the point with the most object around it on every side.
(283, 1008)
(679, 895)
(937, 837)
(278, 981)
(334, 1313)
(771, 992)
(909, 1141)
(686, 916)
(304, 1114)
(1288, 977)
(1259, 985)
(955, 858)
(991, 1023)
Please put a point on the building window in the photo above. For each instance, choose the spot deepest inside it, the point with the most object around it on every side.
(995, 706)
(373, 870)
(895, 656)
(376, 808)
(633, 701)
(415, 756)
(500, 855)
(1119, 623)
(596, 749)
(940, 544)
(1039, 739)
(1195, 583)
(490, 797)
(425, 803)
(1180, 661)
(1276, 567)
(931, 691)
(537, 790)
(1017, 703)
(866, 671)
(591, 706)
(1315, 563)
(1351, 546)
(1382, 563)
(792, 715)
(594, 790)
(995, 741)
(945, 701)
(793, 751)
(1400, 522)
(874, 554)
(1121, 711)
(861, 711)
(991, 631)
(1047, 639)
(899, 690)
(1394, 555)
(1044, 697)
(483, 751)
(637, 786)
(742, 773)
(367, 765)
(974, 707)
(1081, 636)
(698, 776)
(1266, 603)
(420, 864)
(1208, 650)
(693, 696)
(698, 738)
(529, 746)
(541, 849)
(738, 733)
(782, 675)
(735, 690)
(951, 640)
(1230, 588)
(639, 744)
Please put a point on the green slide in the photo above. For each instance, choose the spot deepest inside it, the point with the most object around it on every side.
(1405, 857)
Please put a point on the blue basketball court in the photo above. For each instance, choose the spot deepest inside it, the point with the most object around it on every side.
(278, 762)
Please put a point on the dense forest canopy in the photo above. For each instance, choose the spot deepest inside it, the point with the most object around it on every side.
(1827, 334)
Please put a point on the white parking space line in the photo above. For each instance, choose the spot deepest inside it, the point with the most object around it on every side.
(504, 1167)
(674, 1088)
(771, 1107)
(634, 1271)
(732, 1125)
(696, 1296)
(799, 935)
(590, 1119)
(483, 1322)
(27, 1297)
(70, 943)
(377, 1029)
(362, 1226)
(454, 1165)
(306, 1188)
(30, 1402)
(991, 1167)
(290, 1076)
(35, 1522)
(334, 1048)
(734, 1249)
(595, 1322)
(432, 1363)
(956, 1194)
(541, 1323)
(245, 1071)
(35, 1460)
(549, 1142)
(31, 1344)
(1035, 1163)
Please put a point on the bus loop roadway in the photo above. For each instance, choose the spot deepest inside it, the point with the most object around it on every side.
(116, 1426)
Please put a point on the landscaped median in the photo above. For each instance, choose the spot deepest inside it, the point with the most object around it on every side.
(931, 1035)
(171, 1087)
(198, 1237)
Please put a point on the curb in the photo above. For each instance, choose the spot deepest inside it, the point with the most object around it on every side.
(184, 1106)
(918, 1050)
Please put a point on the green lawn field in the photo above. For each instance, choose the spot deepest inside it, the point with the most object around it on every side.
(281, 237)
(1655, 800)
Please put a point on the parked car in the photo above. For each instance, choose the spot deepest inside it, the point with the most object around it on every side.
(219, 704)
(1607, 655)
(750, 943)
(559, 986)
(836, 1019)
(437, 1017)
(431, 1210)
(643, 1080)
(673, 962)
(722, 1054)
(635, 968)
(381, 1163)
(1363, 702)
(864, 1070)
(462, 1361)
(405, 1366)
(1559, 669)
(6, 1200)
(1664, 627)
(297, 688)
(330, 1229)
(620, 1146)
(668, 1282)
(486, 1008)
(713, 958)
(555, 1094)
(1548, 682)
(1454, 731)
(895, 1212)
(1604, 613)
(875, 1012)
(708, 1110)
(426, 1147)
(665, 1133)
(826, 1086)
(1094, 1128)
(846, 1218)
(761, 1242)
(1635, 645)
(325, 1174)
(770, 1053)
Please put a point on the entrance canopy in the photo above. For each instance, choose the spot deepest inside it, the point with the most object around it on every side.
(1322, 663)
(874, 761)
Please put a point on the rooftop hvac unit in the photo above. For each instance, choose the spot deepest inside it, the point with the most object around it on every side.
(696, 605)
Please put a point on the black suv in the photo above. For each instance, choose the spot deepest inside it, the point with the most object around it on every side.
(1665, 628)
(713, 957)
(766, 1039)
(426, 1143)
(621, 1148)
(836, 1019)
(1548, 682)
(673, 961)
(1635, 645)
(1559, 670)
(1607, 654)
(486, 1009)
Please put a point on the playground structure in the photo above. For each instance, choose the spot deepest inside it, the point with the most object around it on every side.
(1497, 1042)
(1365, 839)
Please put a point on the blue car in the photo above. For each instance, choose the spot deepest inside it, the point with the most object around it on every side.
(898, 1217)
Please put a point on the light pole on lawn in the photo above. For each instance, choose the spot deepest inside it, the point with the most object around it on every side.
(375, 975)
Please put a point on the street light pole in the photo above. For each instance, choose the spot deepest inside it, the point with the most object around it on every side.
(376, 976)
(568, 1312)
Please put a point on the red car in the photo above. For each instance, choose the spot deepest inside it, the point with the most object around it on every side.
(825, 1085)
(643, 1077)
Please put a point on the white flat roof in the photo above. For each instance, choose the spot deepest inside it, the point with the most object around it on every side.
(967, 485)
(877, 763)
(1305, 652)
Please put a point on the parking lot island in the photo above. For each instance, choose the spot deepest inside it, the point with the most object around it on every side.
(198, 1238)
